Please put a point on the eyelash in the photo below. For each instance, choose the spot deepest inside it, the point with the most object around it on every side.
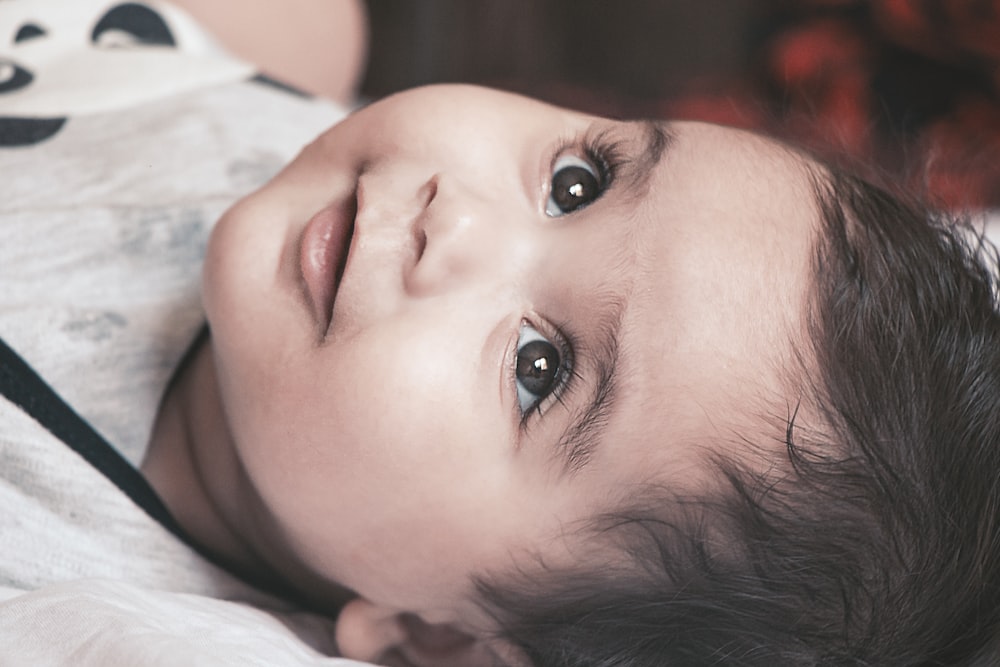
(606, 155)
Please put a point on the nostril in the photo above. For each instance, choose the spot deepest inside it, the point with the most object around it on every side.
(426, 194)
(419, 242)
(429, 190)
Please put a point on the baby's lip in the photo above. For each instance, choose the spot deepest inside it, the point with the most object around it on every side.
(325, 246)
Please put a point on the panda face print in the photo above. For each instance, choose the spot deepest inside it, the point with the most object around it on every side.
(64, 58)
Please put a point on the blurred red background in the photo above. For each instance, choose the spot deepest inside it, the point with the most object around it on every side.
(911, 86)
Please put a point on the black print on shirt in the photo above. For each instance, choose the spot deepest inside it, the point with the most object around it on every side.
(124, 26)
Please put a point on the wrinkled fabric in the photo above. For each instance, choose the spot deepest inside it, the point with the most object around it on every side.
(99, 622)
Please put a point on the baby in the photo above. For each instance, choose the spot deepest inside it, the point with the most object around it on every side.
(495, 382)
(522, 385)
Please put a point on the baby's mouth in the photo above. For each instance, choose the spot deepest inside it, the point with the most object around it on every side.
(326, 244)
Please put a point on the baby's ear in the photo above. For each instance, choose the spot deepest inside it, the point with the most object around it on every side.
(369, 632)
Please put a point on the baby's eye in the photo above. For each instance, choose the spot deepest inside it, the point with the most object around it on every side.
(537, 372)
(575, 183)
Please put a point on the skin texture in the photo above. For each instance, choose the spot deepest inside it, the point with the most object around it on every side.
(387, 454)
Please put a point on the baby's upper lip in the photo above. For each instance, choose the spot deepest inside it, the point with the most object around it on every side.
(325, 247)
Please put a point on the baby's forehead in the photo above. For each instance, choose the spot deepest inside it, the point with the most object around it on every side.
(717, 310)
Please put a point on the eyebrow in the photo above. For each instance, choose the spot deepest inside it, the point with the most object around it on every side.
(580, 439)
(583, 434)
(656, 138)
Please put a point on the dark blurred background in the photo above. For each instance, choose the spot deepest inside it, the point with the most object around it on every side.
(912, 86)
(626, 52)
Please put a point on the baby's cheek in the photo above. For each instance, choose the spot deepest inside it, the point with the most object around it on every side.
(419, 412)
(408, 390)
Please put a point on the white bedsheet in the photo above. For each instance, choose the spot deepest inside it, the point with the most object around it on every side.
(102, 622)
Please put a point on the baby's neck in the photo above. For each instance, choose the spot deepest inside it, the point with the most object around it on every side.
(190, 478)
(192, 464)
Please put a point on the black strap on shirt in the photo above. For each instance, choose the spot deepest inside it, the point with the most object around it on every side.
(21, 385)
(25, 388)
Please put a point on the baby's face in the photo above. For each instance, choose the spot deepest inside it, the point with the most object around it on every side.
(462, 322)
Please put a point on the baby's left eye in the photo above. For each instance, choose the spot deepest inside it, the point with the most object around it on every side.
(575, 183)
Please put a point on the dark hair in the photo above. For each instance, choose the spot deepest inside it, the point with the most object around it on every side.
(877, 542)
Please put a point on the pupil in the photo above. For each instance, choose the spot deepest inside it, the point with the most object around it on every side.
(573, 187)
(537, 365)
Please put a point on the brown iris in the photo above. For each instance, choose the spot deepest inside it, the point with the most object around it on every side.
(574, 186)
(537, 367)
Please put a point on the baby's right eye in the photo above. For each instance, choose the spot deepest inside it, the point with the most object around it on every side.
(575, 183)
(539, 369)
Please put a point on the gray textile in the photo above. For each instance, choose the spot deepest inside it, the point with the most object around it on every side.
(104, 215)
(103, 228)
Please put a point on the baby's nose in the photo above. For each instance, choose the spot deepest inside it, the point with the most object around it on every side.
(462, 235)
